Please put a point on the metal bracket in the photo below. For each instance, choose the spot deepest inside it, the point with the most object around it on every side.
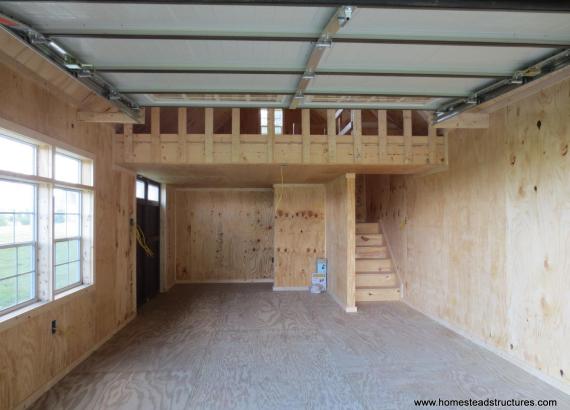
(85, 73)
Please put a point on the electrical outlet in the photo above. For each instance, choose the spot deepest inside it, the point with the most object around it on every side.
(53, 326)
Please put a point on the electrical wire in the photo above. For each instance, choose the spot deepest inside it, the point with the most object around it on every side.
(141, 240)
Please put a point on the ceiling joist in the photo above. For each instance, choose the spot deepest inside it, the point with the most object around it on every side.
(309, 39)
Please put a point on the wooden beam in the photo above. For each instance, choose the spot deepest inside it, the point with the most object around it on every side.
(465, 120)
(128, 154)
(382, 136)
(182, 135)
(306, 130)
(432, 146)
(357, 135)
(408, 154)
(155, 133)
(209, 137)
(109, 117)
(235, 134)
(331, 135)
(270, 134)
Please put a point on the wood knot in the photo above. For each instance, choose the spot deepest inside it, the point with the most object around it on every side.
(564, 150)
(513, 160)
(539, 124)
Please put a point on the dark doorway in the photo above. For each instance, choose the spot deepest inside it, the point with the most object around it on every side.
(148, 253)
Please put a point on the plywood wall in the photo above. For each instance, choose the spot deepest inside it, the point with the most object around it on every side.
(340, 240)
(299, 233)
(30, 356)
(485, 245)
(224, 235)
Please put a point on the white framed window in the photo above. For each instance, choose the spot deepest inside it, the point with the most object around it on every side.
(277, 121)
(46, 218)
(18, 244)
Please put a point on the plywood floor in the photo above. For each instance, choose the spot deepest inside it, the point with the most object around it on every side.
(246, 347)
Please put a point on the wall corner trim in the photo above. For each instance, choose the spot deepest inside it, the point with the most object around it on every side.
(347, 309)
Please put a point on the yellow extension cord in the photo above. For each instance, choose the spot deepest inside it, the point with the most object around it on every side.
(141, 240)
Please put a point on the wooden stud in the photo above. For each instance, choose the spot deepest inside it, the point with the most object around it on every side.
(209, 137)
(155, 134)
(182, 135)
(432, 146)
(382, 136)
(357, 135)
(331, 135)
(235, 135)
(271, 134)
(306, 129)
(408, 155)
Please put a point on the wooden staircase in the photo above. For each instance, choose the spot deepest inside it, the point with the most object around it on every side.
(375, 277)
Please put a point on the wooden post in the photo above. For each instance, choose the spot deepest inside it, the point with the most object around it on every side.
(382, 136)
(128, 155)
(357, 135)
(331, 132)
(306, 130)
(408, 154)
(270, 134)
(432, 147)
(182, 135)
(235, 135)
(209, 137)
(155, 142)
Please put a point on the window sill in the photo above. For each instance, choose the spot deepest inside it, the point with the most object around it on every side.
(27, 312)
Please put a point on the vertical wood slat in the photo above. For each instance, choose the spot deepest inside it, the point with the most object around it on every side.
(331, 133)
(209, 135)
(235, 134)
(306, 130)
(432, 147)
(357, 135)
(271, 134)
(382, 136)
(155, 134)
(408, 155)
(128, 154)
(182, 135)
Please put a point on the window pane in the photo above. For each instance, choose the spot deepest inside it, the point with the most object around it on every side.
(61, 253)
(74, 250)
(67, 169)
(140, 189)
(7, 262)
(6, 229)
(17, 156)
(59, 226)
(24, 228)
(26, 289)
(7, 293)
(59, 201)
(73, 202)
(74, 272)
(153, 192)
(61, 276)
(16, 197)
(25, 259)
(72, 227)
(278, 130)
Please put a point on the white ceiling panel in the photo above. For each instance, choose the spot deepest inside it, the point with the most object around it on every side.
(165, 18)
(453, 24)
(395, 85)
(189, 53)
(204, 82)
(388, 57)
